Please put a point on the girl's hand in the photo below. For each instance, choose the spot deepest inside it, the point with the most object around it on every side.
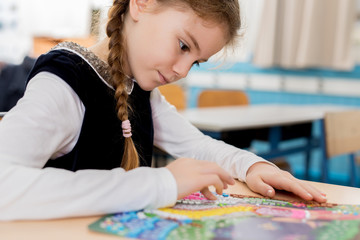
(194, 175)
(262, 177)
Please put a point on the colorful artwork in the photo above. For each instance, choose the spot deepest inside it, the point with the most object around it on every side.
(236, 217)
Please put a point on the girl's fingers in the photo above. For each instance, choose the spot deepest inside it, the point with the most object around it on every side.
(208, 194)
(301, 189)
(214, 175)
(263, 178)
(317, 195)
(289, 184)
(259, 186)
(193, 175)
(214, 168)
(215, 181)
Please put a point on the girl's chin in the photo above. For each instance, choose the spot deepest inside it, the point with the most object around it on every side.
(148, 87)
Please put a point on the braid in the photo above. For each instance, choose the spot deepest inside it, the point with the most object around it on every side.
(116, 56)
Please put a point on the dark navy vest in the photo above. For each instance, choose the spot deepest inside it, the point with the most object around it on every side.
(101, 144)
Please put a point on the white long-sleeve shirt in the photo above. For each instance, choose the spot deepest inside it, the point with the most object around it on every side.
(46, 124)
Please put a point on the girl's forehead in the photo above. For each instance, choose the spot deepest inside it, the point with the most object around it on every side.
(206, 19)
(182, 7)
(188, 18)
(208, 36)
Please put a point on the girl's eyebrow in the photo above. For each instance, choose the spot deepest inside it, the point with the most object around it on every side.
(195, 43)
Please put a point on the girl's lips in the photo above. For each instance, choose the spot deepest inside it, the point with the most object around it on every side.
(163, 80)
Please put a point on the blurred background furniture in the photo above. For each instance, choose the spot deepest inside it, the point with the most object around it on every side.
(238, 138)
(174, 94)
(341, 137)
(44, 44)
(222, 98)
(277, 124)
(216, 98)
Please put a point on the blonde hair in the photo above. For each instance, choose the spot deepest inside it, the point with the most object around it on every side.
(217, 11)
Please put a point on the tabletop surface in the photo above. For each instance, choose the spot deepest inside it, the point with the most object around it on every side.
(77, 228)
(255, 116)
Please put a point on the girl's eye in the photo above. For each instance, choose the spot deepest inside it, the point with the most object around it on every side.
(183, 46)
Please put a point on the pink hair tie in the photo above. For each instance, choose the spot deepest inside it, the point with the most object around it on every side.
(126, 127)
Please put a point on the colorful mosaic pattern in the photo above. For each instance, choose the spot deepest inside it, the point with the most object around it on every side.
(236, 217)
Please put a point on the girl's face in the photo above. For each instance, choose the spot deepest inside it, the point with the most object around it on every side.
(163, 46)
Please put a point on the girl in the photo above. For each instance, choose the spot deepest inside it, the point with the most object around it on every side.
(80, 140)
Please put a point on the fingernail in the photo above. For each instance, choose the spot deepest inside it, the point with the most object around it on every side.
(309, 195)
(269, 193)
(323, 194)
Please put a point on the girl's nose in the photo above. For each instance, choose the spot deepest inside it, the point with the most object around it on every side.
(182, 68)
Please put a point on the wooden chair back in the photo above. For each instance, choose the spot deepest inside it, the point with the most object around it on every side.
(217, 98)
(174, 94)
(342, 131)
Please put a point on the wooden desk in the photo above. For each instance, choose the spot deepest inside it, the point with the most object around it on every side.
(77, 228)
(255, 116)
(277, 123)
(2, 114)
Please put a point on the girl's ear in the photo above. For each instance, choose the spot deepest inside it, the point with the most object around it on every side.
(136, 7)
